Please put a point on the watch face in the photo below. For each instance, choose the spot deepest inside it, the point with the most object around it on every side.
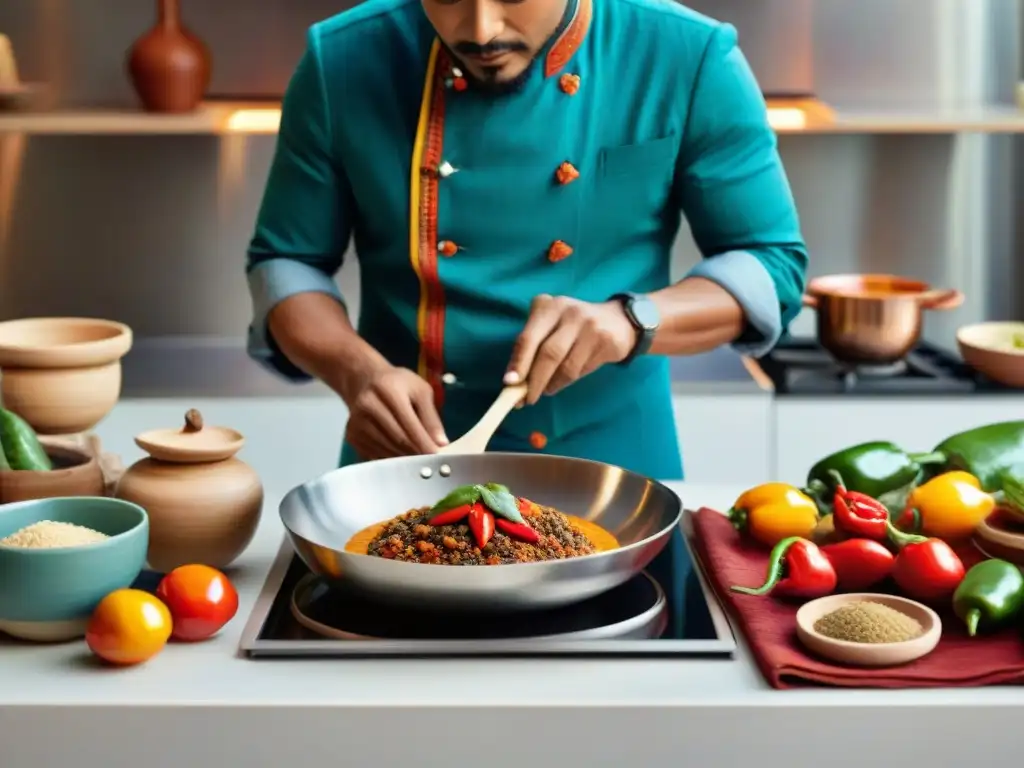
(646, 313)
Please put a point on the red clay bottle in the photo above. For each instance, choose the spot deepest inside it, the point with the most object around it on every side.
(169, 66)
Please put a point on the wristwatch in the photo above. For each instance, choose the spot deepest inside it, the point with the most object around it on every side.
(644, 316)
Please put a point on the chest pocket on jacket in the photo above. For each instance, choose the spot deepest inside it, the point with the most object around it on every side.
(632, 188)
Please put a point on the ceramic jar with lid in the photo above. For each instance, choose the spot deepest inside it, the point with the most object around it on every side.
(204, 504)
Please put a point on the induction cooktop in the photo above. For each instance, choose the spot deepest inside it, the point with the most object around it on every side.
(298, 614)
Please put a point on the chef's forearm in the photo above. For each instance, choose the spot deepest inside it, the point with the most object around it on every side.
(697, 315)
(743, 298)
(313, 331)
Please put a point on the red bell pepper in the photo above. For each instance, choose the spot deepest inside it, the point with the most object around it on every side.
(796, 568)
(481, 524)
(451, 515)
(857, 514)
(519, 531)
(859, 563)
(925, 569)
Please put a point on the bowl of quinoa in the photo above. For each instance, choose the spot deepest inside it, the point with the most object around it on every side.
(59, 557)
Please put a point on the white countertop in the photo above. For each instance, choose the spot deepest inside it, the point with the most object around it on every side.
(266, 703)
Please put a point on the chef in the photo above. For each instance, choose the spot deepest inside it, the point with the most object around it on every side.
(513, 174)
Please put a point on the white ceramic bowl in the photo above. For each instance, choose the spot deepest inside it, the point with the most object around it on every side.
(988, 348)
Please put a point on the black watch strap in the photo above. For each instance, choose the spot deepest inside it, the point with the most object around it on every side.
(643, 314)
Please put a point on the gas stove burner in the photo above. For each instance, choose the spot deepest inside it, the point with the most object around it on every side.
(804, 367)
(873, 371)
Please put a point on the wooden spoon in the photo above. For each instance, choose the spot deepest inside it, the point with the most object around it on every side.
(475, 441)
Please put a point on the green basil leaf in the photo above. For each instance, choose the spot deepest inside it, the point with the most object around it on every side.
(464, 494)
(497, 488)
(501, 503)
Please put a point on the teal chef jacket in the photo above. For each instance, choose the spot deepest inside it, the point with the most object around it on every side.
(463, 206)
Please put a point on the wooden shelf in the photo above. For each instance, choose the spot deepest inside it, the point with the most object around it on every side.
(212, 118)
(234, 118)
(992, 120)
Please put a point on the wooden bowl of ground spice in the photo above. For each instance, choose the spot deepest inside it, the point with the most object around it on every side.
(868, 630)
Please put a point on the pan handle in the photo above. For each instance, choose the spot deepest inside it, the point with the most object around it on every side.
(811, 302)
(941, 301)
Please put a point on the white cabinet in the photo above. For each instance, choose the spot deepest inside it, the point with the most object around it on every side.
(806, 430)
(725, 438)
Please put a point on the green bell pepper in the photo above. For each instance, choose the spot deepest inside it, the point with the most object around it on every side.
(990, 596)
(879, 469)
(20, 446)
(990, 453)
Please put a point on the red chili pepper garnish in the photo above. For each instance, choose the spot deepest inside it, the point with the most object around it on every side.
(796, 568)
(518, 531)
(857, 514)
(481, 524)
(451, 516)
(925, 569)
(859, 563)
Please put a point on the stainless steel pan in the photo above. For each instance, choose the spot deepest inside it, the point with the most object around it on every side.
(322, 515)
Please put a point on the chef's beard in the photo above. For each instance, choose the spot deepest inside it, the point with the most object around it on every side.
(491, 86)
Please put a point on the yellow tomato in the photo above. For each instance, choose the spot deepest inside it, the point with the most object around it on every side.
(951, 506)
(772, 512)
(129, 626)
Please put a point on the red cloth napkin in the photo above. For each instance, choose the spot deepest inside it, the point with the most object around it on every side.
(769, 628)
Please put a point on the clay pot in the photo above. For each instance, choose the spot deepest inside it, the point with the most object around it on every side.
(76, 472)
(62, 374)
(204, 505)
(169, 66)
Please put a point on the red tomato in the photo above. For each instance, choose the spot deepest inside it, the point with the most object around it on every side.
(201, 601)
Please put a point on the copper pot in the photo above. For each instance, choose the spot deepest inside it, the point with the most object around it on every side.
(873, 319)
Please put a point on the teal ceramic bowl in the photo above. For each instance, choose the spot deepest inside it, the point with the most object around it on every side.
(48, 595)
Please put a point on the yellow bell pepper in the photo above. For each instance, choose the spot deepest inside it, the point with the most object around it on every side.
(772, 512)
(950, 506)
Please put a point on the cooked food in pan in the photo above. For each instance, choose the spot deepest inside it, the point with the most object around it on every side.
(482, 525)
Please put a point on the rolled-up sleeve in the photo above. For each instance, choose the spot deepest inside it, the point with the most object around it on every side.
(305, 218)
(735, 195)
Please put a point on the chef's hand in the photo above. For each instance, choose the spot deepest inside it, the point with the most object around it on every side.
(392, 413)
(564, 340)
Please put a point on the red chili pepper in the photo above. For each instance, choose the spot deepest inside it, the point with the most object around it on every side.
(519, 531)
(925, 569)
(859, 563)
(525, 507)
(450, 516)
(481, 523)
(796, 568)
(857, 514)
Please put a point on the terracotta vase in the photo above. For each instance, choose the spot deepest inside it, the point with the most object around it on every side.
(169, 66)
(204, 504)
